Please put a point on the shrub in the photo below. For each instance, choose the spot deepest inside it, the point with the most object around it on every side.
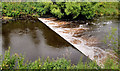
(17, 62)
(59, 9)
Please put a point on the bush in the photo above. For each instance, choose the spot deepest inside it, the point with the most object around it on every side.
(17, 62)
(60, 10)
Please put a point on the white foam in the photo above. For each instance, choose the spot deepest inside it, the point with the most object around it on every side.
(91, 52)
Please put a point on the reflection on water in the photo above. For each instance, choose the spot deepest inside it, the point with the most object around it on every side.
(33, 39)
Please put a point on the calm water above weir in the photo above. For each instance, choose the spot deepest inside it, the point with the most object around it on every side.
(34, 39)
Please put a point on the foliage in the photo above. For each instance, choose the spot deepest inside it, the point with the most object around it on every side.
(59, 9)
(88, 9)
(113, 43)
(0, 6)
(111, 64)
(72, 8)
(55, 9)
(12, 9)
(17, 62)
(107, 8)
(112, 37)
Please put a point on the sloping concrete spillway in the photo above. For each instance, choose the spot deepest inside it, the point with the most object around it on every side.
(82, 44)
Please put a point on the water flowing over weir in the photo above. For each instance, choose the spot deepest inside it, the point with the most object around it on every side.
(83, 44)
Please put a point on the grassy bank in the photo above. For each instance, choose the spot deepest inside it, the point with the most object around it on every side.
(70, 10)
(17, 62)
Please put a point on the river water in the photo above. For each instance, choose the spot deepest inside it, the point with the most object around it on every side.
(33, 39)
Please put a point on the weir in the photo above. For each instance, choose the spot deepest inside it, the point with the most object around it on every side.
(84, 45)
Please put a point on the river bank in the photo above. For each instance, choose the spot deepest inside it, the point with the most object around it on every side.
(16, 61)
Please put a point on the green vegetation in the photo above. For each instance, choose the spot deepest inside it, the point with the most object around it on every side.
(69, 10)
(0, 10)
(112, 37)
(72, 10)
(17, 62)
(0, 6)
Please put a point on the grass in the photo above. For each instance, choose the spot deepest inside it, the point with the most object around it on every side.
(112, 38)
(17, 62)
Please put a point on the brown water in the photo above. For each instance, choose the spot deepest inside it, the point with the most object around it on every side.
(34, 39)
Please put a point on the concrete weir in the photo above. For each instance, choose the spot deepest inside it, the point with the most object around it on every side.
(94, 53)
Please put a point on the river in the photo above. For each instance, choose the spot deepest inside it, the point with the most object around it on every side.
(34, 39)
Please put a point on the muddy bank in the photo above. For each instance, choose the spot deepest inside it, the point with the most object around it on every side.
(7, 19)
